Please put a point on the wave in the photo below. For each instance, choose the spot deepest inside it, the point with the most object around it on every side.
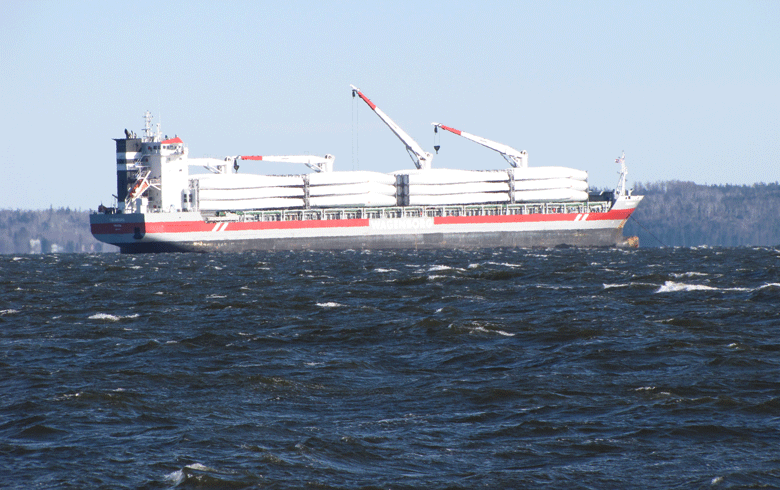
(439, 268)
(506, 264)
(330, 304)
(769, 285)
(688, 274)
(673, 287)
(612, 286)
(478, 329)
(201, 476)
(112, 318)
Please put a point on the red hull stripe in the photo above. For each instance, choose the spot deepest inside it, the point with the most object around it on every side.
(251, 157)
(201, 226)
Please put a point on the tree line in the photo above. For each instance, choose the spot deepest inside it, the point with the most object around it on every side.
(685, 214)
(48, 231)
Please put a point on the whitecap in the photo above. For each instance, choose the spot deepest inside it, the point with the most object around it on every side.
(10, 311)
(673, 287)
(550, 286)
(506, 264)
(610, 286)
(688, 274)
(379, 269)
(176, 477)
(439, 268)
(769, 285)
(329, 304)
(482, 329)
(104, 316)
(68, 396)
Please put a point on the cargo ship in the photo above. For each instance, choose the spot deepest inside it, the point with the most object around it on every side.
(161, 207)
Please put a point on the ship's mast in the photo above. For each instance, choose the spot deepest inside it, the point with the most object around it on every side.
(147, 126)
(620, 190)
(150, 136)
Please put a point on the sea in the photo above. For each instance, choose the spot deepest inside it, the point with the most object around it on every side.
(546, 368)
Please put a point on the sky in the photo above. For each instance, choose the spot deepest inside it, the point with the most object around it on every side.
(689, 90)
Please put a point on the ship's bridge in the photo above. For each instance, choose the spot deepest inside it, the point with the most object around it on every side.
(166, 147)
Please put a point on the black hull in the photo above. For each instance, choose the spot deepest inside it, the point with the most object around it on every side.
(428, 241)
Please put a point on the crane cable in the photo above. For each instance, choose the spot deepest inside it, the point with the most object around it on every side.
(355, 135)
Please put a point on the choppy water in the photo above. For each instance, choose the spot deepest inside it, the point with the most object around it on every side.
(654, 368)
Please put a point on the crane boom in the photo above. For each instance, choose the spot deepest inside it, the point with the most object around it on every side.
(217, 166)
(516, 158)
(318, 164)
(421, 158)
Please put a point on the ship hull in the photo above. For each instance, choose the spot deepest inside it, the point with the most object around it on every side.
(190, 232)
(600, 238)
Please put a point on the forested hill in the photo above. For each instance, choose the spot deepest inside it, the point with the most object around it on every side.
(672, 214)
(50, 230)
(685, 214)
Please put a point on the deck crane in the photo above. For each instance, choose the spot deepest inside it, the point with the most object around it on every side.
(217, 166)
(516, 158)
(318, 164)
(421, 158)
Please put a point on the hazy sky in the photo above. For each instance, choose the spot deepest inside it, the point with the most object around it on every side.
(690, 90)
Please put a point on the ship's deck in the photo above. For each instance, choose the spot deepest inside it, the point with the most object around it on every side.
(407, 212)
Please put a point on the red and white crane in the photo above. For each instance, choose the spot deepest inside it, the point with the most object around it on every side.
(516, 158)
(217, 166)
(421, 158)
(318, 164)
